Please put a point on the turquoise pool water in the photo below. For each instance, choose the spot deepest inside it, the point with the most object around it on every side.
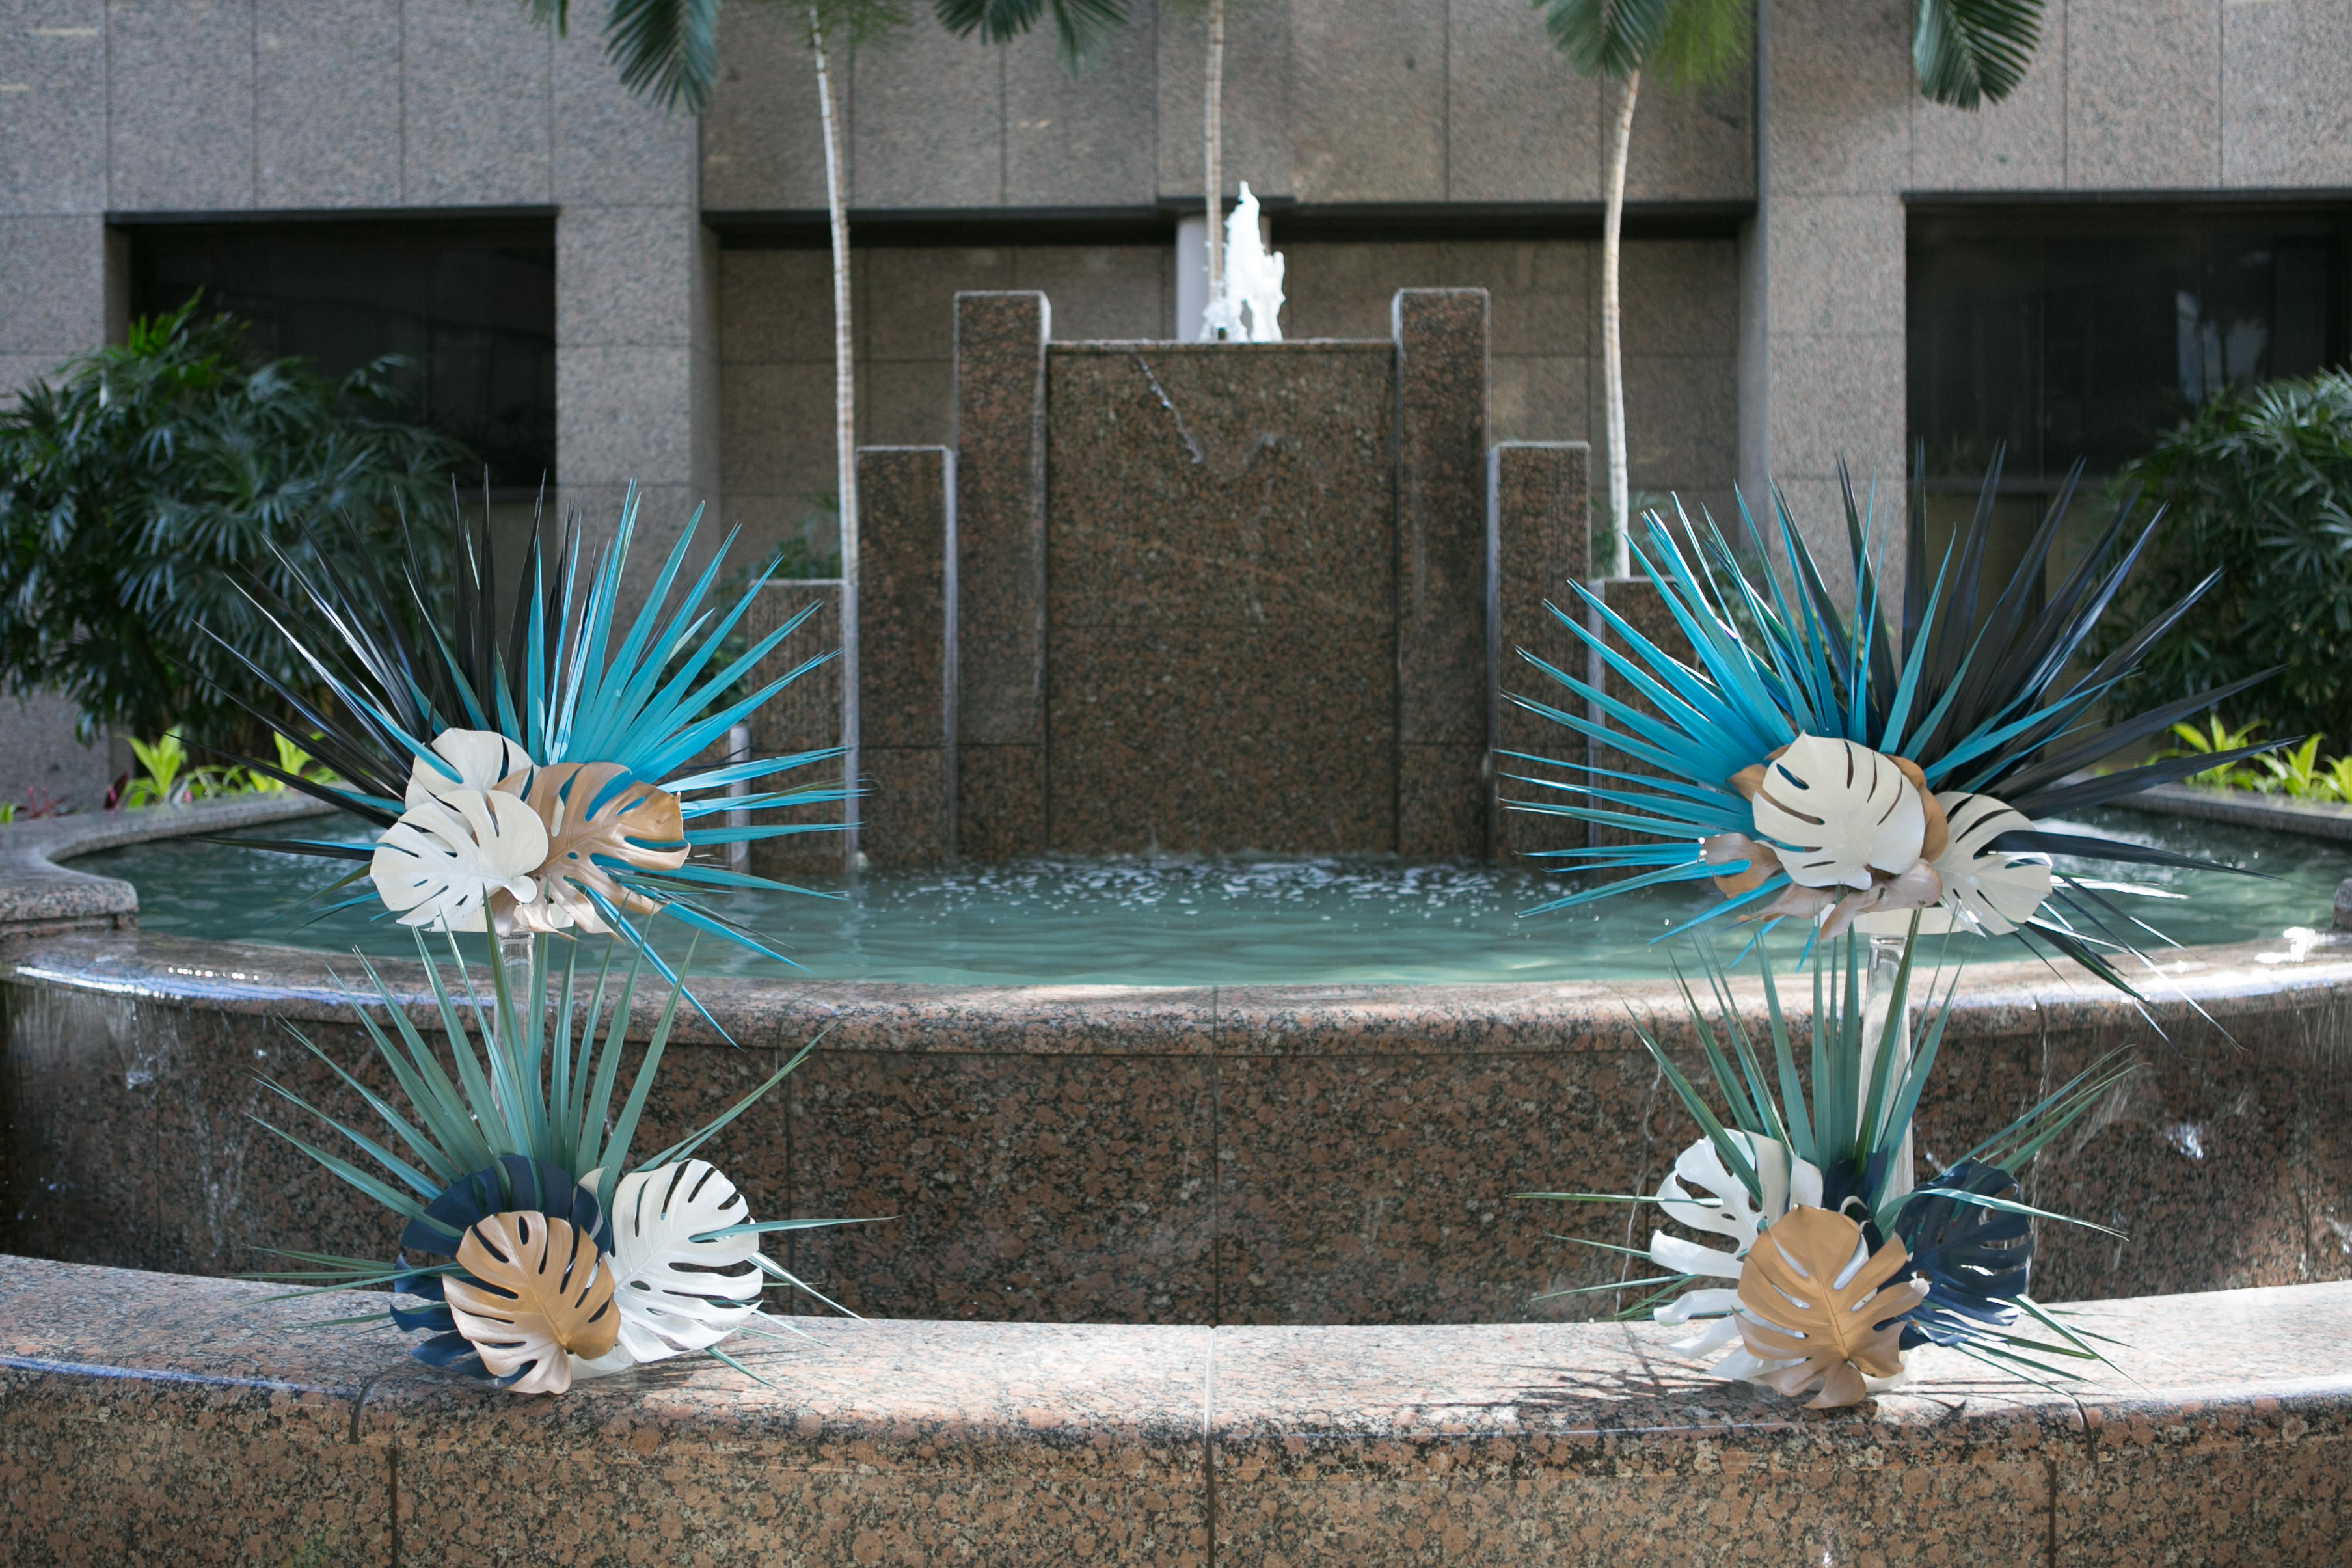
(1225, 921)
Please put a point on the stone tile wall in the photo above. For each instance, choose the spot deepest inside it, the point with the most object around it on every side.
(1682, 313)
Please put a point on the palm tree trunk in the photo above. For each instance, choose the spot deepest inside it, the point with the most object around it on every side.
(1612, 359)
(844, 424)
(1213, 137)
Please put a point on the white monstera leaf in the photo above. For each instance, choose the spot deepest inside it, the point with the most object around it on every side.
(1992, 891)
(440, 864)
(676, 1293)
(1835, 812)
(480, 758)
(1783, 1178)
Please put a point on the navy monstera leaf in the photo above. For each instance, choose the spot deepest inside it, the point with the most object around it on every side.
(513, 1183)
(1976, 1258)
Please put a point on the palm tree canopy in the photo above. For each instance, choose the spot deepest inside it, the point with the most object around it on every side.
(667, 51)
(1966, 52)
(1083, 29)
(1681, 40)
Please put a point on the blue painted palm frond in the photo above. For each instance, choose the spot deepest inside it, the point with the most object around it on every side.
(1985, 686)
(557, 668)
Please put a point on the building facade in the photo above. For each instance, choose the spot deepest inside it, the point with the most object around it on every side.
(1820, 265)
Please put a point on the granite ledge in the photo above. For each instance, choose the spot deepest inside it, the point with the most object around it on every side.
(38, 894)
(2245, 808)
(2230, 984)
(2219, 1435)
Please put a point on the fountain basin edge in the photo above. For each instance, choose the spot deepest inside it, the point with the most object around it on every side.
(1201, 1155)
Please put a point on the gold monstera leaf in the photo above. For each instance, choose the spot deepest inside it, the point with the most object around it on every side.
(595, 812)
(1811, 1298)
(540, 1294)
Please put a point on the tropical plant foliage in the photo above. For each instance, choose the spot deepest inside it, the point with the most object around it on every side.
(2256, 486)
(141, 483)
(520, 1110)
(667, 51)
(1819, 1119)
(1985, 694)
(1686, 41)
(557, 701)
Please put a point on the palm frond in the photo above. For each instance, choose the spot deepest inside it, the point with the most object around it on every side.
(1970, 52)
(1983, 684)
(551, 663)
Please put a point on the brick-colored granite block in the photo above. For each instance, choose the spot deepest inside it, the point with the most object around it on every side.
(1441, 559)
(999, 800)
(1223, 646)
(153, 1418)
(158, 1418)
(1064, 1188)
(1000, 358)
(1538, 517)
(875, 1443)
(805, 716)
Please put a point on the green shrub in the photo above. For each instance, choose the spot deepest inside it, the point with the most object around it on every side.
(2257, 484)
(142, 482)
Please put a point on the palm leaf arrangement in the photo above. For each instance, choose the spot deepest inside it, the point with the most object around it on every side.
(536, 771)
(532, 1251)
(1877, 792)
(535, 778)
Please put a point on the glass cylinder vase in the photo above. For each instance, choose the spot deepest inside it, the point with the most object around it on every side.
(1883, 963)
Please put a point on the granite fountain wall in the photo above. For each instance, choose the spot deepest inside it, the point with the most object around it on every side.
(1196, 597)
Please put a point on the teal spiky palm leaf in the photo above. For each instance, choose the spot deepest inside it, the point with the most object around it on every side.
(1984, 691)
(1839, 1096)
(565, 677)
(519, 1106)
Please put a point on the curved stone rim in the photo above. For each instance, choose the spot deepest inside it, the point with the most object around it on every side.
(80, 923)
(37, 892)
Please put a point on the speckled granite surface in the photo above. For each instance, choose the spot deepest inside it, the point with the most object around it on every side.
(1441, 549)
(1538, 523)
(805, 716)
(1000, 346)
(902, 605)
(1223, 611)
(1270, 1155)
(153, 1417)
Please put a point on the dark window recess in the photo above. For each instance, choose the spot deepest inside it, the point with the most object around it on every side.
(2083, 332)
(471, 304)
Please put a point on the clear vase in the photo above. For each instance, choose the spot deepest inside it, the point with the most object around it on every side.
(1884, 961)
(515, 953)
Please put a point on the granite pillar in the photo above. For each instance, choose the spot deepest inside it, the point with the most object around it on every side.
(803, 717)
(907, 521)
(1000, 508)
(1539, 507)
(1637, 602)
(1441, 544)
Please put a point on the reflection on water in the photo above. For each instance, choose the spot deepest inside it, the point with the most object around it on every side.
(1230, 921)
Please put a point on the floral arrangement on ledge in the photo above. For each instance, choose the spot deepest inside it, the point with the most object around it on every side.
(536, 787)
(1877, 793)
